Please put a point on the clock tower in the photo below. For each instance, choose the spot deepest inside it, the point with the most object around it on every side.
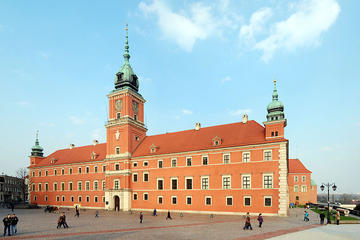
(125, 128)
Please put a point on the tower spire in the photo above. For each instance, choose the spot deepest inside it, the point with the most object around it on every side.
(275, 108)
(275, 95)
(37, 150)
(126, 54)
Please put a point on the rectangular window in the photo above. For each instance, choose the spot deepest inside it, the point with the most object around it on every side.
(174, 184)
(267, 201)
(46, 172)
(296, 178)
(104, 168)
(160, 200)
(205, 160)
(39, 173)
(39, 186)
(117, 150)
(116, 184)
(189, 183)
(246, 181)
(46, 187)
(96, 169)
(70, 186)
(70, 170)
(204, 183)
(103, 185)
(62, 171)
(87, 185)
(57, 198)
(72, 198)
(226, 158)
(268, 181)
(79, 186)
(247, 201)
(160, 163)
(267, 155)
(87, 169)
(146, 177)
(208, 201)
(226, 182)
(146, 196)
(117, 167)
(95, 199)
(188, 200)
(96, 185)
(303, 188)
(79, 198)
(160, 184)
(246, 156)
(55, 172)
(229, 201)
(173, 162)
(296, 188)
(135, 177)
(62, 186)
(55, 186)
(87, 199)
(188, 161)
(79, 170)
(135, 196)
(304, 178)
(173, 200)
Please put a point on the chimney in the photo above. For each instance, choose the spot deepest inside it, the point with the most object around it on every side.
(95, 142)
(72, 146)
(197, 126)
(245, 118)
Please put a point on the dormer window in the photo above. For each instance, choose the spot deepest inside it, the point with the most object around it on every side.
(216, 141)
(93, 155)
(153, 148)
(137, 138)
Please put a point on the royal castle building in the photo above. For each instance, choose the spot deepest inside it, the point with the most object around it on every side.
(229, 169)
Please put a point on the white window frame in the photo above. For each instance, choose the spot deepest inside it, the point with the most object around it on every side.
(147, 175)
(242, 181)
(57, 198)
(96, 185)
(296, 178)
(87, 185)
(147, 194)
(192, 183)
(72, 186)
(223, 177)
(157, 183)
(46, 198)
(174, 159)
(103, 184)
(302, 188)
(80, 198)
(188, 158)
(210, 200)
(62, 186)
(87, 169)
(117, 150)
(207, 160)
(244, 159)
(70, 171)
(117, 167)
(186, 200)
(137, 177)
(63, 198)
(162, 199)
(145, 163)
(268, 151)
(118, 183)
(135, 164)
(55, 188)
(224, 155)
(303, 178)
(250, 201)
(271, 201)
(87, 198)
(63, 171)
(272, 180)
(135, 194)
(177, 183)
(208, 182)
(96, 199)
(46, 186)
(72, 198)
(162, 163)
(226, 200)
(296, 188)
(174, 197)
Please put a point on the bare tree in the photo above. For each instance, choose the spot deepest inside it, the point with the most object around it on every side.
(22, 173)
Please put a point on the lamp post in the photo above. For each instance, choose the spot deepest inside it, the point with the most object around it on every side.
(322, 187)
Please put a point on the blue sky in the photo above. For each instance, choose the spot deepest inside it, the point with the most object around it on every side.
(198, 61)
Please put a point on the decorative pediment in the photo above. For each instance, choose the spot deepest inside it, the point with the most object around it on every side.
(153, 148)
(216, 141)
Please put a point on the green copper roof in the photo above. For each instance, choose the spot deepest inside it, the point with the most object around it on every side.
(37, 150)
(313, 183)
(126, 78)
(275, 108)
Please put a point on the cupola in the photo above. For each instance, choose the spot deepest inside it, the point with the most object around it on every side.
(276, 108)
(37, 150)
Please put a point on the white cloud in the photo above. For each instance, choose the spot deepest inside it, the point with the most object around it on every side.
(257, 23)
(196, 22)
(76, 120)
(187, 112)
(303, 28)
(226, 79)
(239, 112)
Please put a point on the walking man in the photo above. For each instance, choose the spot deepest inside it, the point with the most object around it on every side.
(141, 217)
(64, 220)
(306, 216)
(7, 223)
(247, 223)
(14, 221)
(168, 215)
(337, 217)
(77, 214)
(260, 219)
(322, 218)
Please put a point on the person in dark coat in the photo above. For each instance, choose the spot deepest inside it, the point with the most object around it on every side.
(64, 220)
(7, 224)
(322, 217)
(60, 220)
(154, 212)
(247, 223)
(168, 216)
(260, 219)
(77, 213)
(14, 221)
(141, 217)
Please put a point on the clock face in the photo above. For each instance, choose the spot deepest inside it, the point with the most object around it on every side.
(118, 105)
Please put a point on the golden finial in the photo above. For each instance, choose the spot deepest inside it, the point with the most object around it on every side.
(126, 27)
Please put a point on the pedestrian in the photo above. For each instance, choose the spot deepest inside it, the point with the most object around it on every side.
(322, 217)
(306, 216)
(168, 215)
(337, 217)
(64, 223)
(154, 213)
(7, 223)
(97, 214)
(141, 217)
(12, 207)
(59, 223)
(14, 221)
(77, 213)
(260, 219)
(247, 223)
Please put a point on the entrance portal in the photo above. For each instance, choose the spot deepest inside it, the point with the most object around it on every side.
(117, 203)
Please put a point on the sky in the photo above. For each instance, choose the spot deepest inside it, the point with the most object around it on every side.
(197, 61)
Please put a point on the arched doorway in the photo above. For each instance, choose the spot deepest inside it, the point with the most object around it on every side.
(116, 203)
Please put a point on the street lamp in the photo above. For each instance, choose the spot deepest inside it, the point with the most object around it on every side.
(322, 187)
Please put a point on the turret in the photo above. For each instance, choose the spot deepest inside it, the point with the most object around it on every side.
(36, 151)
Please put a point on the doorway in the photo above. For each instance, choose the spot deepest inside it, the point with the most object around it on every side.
(116, 203)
